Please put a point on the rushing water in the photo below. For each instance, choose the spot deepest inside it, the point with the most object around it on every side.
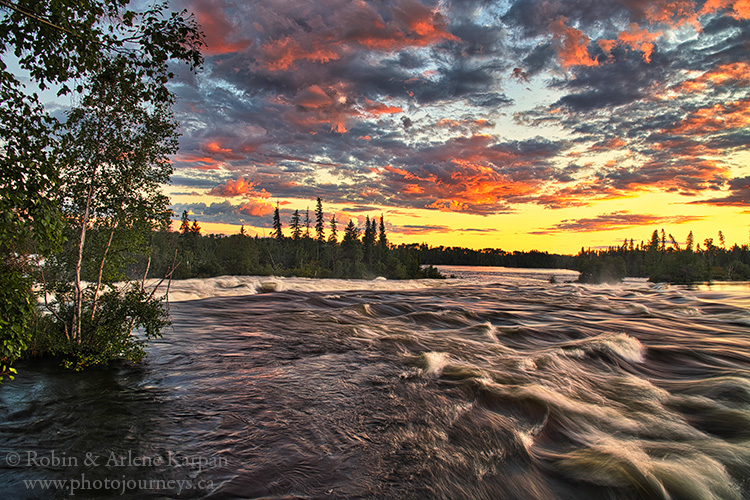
(496, 384)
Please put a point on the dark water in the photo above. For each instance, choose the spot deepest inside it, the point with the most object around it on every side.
(498, 385)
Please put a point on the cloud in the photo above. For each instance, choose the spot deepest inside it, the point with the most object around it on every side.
(715, 118)
(615, 221)
(421, 104)
(739, 195)
(238, 187)
(571, 44)
(413, 229)
(256, 208)
(470, 174)
(221, 34)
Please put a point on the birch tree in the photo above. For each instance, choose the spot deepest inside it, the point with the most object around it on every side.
(66, 45)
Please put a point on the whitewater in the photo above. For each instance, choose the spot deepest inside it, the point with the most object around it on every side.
(493, 384)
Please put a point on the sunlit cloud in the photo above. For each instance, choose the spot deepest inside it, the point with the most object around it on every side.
(615, 221)
(571, 44)
(480, 108)
(739, 194)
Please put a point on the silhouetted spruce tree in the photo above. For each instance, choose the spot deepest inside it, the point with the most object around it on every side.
(675, 245)
(295, 226)
(351, 252)
(319, 222)
(368, 242)
(185, 224)
(383, 238)
(334, 233)
(382, 247)
(277, 232)
(307, 223)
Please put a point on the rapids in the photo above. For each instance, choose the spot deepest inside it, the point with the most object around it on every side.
(495, 384)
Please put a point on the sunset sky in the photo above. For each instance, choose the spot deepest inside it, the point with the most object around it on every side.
(529, 124)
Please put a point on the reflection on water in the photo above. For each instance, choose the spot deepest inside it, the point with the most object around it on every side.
(496, 384)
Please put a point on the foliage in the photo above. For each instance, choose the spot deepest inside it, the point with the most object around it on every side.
(107, 332)
(662, 260)
(305, 255)
(115, 61)
(460, 256)
(114, 148)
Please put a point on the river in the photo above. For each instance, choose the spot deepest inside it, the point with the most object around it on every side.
(494, 384)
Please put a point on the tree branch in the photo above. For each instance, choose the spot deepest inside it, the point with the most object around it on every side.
(37, 18)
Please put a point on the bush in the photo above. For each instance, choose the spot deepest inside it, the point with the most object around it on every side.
(107, 335)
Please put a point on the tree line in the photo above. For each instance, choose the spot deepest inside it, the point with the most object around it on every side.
(307, 247)
(312, 249)
(460, 256)
(663, 259)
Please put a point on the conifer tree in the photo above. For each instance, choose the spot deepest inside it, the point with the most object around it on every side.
(277, 232)
(383, 239)
(333, 237)
(295, 226)
(368, 242)
(351, 247)
(307, 223)
(185, 224)
(319, 222)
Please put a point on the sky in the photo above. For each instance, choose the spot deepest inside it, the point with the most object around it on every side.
(529, 124)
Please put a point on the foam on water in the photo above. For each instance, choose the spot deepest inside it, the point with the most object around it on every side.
(496, 384)
(233, 286)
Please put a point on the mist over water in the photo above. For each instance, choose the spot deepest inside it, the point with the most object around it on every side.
(496, 384)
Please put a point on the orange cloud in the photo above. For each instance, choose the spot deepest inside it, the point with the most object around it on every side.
(615, 221)
(738, 73)
(199, 162)
(413, 189)
(375, 108)
(636, 38)
(217, 30)
(740, 8)
(413, 25)
(610, 145)
(214, 148)
(316, 105)
(282, 54)
(583, 194)
(238, 187)
(673, 13)
(469, 179)
(639, 39)
(332, 105)
(717, 118)
(572, 44)
(256, 208)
